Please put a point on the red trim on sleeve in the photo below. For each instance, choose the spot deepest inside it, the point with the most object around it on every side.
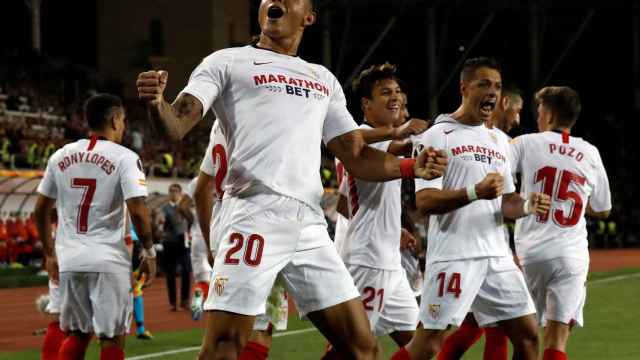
(92, 142)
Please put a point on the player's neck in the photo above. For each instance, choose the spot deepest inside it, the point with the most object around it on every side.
(371, 121)
(104, 135)
(465, 117)
(286, 46)
(560, 129)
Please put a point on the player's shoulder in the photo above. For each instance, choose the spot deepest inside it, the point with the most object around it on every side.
(444, 124)
(225, 55)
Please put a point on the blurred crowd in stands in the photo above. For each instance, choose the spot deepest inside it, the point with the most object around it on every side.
(41, 110)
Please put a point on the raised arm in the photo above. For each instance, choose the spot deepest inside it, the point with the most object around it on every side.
(432, 201)
(176, 119)
(367, 163)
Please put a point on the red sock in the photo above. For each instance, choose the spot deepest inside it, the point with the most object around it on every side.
(401, 354)
(456, 344)
(254, 351)
(52, 341)
(73, 348)
(495, 346)
(111, 353)
(552, 354)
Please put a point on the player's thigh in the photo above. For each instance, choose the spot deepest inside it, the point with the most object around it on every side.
(316, 276)
(373, 286)
(449, 289)
(223, 330)
(503, 294)
(567, 291)
(112, 303)
(400, 311)
(258, 238)
(75, 303)
(537, 276)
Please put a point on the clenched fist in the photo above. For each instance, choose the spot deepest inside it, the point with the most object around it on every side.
(151, 85)
(538, 203)
(430, 164)
(490, 187)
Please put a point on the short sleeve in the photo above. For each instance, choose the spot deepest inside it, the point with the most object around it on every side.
(338, 120)
(600, 199)
(507, 173)
(47, 186)
(132, 179)
(420, 142)
(515, 155)
(209, 78)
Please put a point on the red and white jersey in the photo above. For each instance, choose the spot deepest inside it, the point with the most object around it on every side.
(342, 223)
(91, 179)
(373, 234)
(275, 110)
(474, 230)
(570, 171)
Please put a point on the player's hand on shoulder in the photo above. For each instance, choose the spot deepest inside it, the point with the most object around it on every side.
(430, 163)
(151, 86)
(539, 203)
(490, 187)
(411, 127)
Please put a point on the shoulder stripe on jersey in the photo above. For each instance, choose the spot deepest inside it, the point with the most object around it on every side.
(565, 137)
(92, 142)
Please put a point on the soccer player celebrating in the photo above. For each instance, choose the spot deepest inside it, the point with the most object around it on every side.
(274, 110)
(91, 180)
(469, 265)
(371, 249)
(552, 247)
(505, 116)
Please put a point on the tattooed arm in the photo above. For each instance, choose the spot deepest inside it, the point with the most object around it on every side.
(176, 119)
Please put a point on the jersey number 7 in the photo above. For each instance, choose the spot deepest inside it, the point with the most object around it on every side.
(88, 187)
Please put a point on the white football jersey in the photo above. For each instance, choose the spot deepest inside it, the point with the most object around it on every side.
(474, 230)
(91, 179)
(570, 171)
(342, 222)
(195, 231)
(373, 234)
(215, 164)
(275, 110)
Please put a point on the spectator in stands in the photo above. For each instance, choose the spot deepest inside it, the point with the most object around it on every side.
(176, 222)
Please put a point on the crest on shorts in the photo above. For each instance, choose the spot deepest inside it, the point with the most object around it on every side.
(219, 283)
(434, 311)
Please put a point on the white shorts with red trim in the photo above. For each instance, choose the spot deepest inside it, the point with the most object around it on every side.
(492, 288)
(558, 289)
(388, 299)
(53, 307)
(264, 235)
(100, 303)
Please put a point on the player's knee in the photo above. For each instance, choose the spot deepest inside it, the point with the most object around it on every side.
(222, 350)
(527, 339)
(366, 348)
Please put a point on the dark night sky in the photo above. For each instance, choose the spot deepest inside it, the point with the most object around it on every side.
(599, 65)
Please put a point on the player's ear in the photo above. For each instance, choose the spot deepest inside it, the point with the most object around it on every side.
(310, 19)
(364, 103)
(463, 88)
(504, 102)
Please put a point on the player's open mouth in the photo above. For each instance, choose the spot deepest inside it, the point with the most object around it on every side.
(275, 12)
(487, 106)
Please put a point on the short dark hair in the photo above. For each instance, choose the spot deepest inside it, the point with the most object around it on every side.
(512, 92)
(471, 65)
(99, 108)
(365, 82)
(562, 101)
(175, 186)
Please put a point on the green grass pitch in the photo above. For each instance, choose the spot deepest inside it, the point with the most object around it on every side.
(612, 331)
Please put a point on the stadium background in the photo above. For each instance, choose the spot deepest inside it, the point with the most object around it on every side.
(54, 54)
